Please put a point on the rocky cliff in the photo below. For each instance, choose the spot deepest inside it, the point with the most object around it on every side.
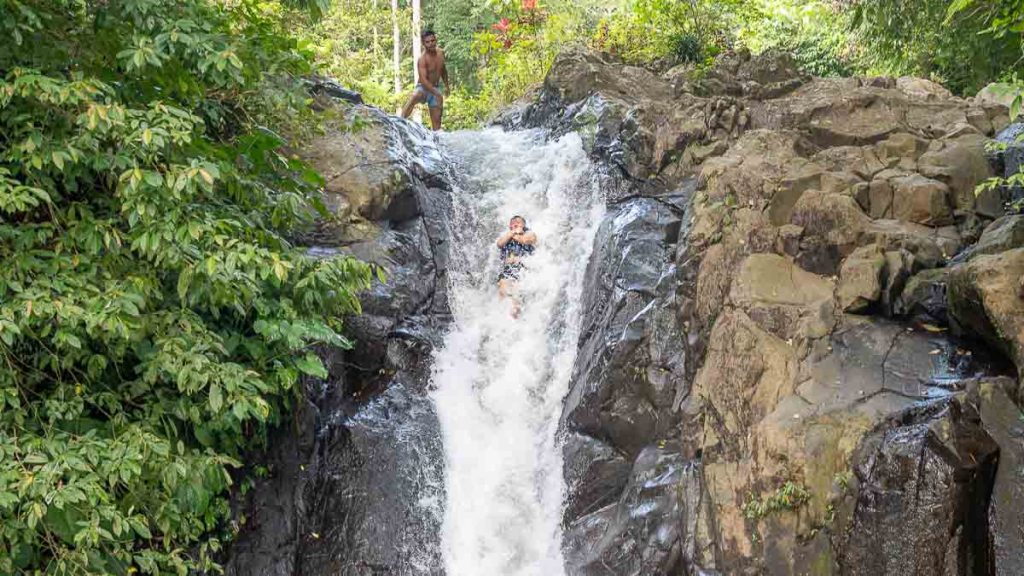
(354, 484)
(799, 353)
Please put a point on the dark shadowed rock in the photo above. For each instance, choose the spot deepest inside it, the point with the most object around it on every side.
(645, 531)
(1004, 234)
(406, 255)
(922, 492)
(924, 296)
(331, 88)
(595, 474)
(1002, 420)
(375, 505)
(613, 395)
(985, 300)
(356, 481)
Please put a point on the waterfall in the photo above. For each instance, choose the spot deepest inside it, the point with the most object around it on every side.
(498, 382)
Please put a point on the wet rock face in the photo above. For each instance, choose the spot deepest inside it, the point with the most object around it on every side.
(355, 482)
(829, 422)
(641, 532)
(626, 376)
(922, 492)
(366, 502)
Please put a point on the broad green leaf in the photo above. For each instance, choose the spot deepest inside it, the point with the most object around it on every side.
(312, 365)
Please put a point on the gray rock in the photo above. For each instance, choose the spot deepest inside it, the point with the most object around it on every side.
(408, 262)
(646, 531)
(613, 395)
(376, 502)
(924, 296)
(923, 488)
(1004, 234)
(1002, 420)
(595, 474)
(860, 279)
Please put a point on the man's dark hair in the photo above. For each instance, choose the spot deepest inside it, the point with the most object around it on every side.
(427, 33)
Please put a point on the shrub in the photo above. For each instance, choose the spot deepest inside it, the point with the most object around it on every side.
(154, 318)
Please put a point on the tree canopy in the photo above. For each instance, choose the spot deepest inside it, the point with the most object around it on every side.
(154, 316)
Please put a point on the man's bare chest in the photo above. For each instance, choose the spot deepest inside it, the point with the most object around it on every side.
(433, 63)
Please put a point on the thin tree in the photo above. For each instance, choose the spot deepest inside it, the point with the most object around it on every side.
(396, 55)
(416, 50)
(376, 37)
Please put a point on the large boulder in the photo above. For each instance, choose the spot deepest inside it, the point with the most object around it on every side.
(612, 394)
(642, 533)
(782, 298)
(961, 164)
(985, 299)
(860, 280)
(922, 88)
(833, 225)
(1004, 234)
(922, 490)
(369, 176)
(921, 200)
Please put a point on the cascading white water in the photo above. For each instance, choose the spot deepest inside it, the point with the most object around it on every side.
(499, 382)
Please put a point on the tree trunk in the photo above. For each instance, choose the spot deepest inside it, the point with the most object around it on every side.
(376, 37)
(396, 54)
(417, 49)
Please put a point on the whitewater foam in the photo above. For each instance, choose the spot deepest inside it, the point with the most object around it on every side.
(498, 383)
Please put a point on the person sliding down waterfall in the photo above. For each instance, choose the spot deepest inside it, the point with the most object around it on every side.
(515, 245)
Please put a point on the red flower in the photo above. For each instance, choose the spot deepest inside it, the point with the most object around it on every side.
(529, 5)
(503, 26)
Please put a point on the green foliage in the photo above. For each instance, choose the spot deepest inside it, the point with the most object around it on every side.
(668, 31)
(456, 22)
(815, 33)
(352, 43)
(514, 55)
(154, 318)
(843, 479)
(789, 496)
(962, 44)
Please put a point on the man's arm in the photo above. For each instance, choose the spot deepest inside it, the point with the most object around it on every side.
(444, 73)
(425, 78)
(528, 238)
(505, 238)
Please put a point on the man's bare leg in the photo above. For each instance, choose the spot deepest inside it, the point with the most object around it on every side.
(505, 291)
(435, 116)
(415, 98)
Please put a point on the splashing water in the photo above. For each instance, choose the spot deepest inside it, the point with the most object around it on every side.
(499, 382)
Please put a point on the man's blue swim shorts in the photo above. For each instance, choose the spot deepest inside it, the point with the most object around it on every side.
(431, 98)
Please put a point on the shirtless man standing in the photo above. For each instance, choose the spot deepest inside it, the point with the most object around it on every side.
(431, 69)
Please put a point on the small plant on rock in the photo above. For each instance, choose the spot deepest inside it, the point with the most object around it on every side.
(790, 496)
